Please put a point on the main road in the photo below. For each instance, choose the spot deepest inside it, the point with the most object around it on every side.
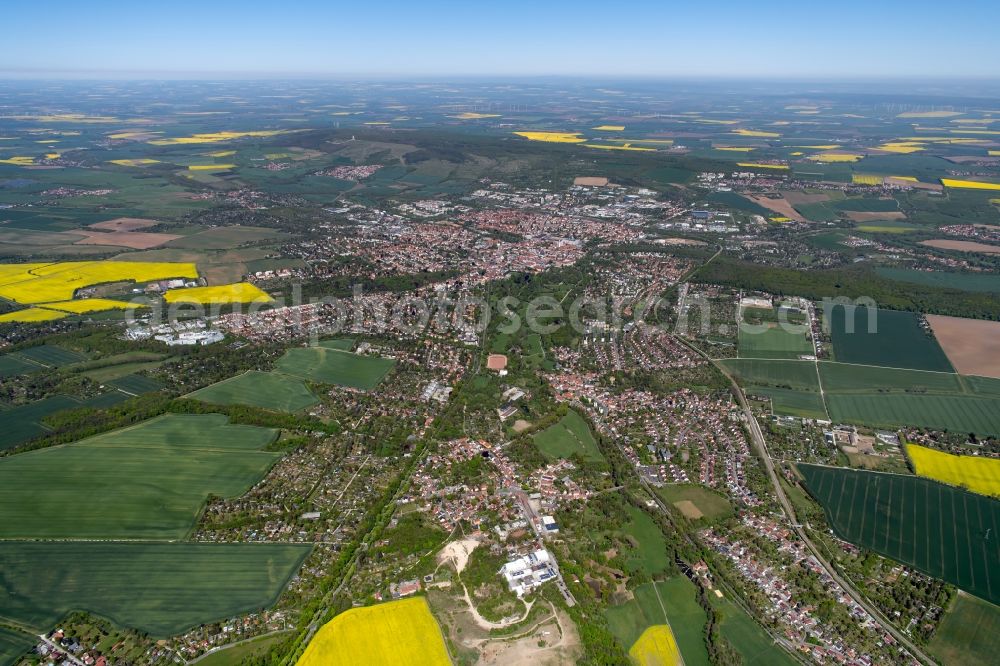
(757, 435)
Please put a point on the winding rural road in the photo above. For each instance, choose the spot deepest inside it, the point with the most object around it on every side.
(757, 435)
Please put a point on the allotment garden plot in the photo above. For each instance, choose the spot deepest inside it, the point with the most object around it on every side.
(945, 532)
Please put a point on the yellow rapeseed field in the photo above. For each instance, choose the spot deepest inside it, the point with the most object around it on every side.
(656, 647)
(216, 137)
(31, 315)
(866, 179)
(969, 184)
(48, 283)
(993, 153)
(18, 161)
(210, 167)
(84, 305)
(758, 165)
(609, 128)
(239, 292)
(835, 157)
(138, 162)
(624, 146)
(902, 147)
(221, 153)
(747, 132)
(980, 475)
(390, 634)
(553, 137)
(735, 149)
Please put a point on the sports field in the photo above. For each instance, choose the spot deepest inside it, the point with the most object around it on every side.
(267, 390)
(334, 366)
(147, 481)
(710, 504)
(898, 340)
(980, 475)
(773, 342)
(159, 588)
(955, 413)
(969, 633)
(398, 632)
(943, 531)
(571, 435)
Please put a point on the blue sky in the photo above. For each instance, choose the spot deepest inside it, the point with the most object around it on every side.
(721, 38)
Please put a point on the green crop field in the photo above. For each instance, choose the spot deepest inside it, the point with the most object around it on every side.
(979, 282)
(147, 481)
(983, 386)
(159, 588)
(687, 618)
(333, 366)
(676, 604)
(12, 365)
(571, 435)
(846, 378)
(775, 342)
(711, 504)
(651, 556)
(898, 340)
(24, 422)
(136, 384)
(239, 654)
(51, 356)
(753, 643)
(941, 530)
(781, 374)
(343, 344)
(792, 402)
(268, 390)
(969, 633)
(955, 413)
(13, 645)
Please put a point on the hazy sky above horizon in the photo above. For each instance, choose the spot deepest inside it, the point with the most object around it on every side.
(725, 38)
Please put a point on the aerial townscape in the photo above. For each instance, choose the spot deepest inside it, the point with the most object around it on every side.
(485, 364)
